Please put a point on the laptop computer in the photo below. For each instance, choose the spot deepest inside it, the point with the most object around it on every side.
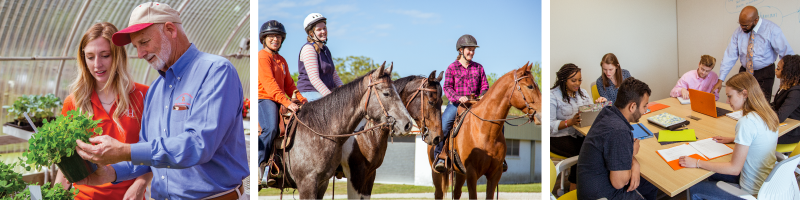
(703, 102)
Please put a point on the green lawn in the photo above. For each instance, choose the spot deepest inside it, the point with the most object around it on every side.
(341, 188)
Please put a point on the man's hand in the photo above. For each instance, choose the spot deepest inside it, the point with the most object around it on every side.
(104, 174)
(634, 182)
(717, 86)
(685, 93)
(107, 151)
(635, 146)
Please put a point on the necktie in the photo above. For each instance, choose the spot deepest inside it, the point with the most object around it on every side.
(749, 64)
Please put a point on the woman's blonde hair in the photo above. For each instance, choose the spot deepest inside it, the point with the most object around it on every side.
(314, 43)
(708, 61)
(755, 101)
(119, 81)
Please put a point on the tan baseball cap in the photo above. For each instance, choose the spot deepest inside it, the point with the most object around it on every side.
(143, 16)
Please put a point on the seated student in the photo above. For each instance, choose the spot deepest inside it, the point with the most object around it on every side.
(787, 100)
(702, 79)
(607, 154)
(565, 98)
(608, 83)
(756, 138)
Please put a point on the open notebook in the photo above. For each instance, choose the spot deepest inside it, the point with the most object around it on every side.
(706, 149)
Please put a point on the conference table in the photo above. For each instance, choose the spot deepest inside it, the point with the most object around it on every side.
(657, 171)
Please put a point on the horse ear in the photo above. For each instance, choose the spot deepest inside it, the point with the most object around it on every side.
(379, 72)
(441, 75)
(389, 70)
(529, 66)
(432, 77)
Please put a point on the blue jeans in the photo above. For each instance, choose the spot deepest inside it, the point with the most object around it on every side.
(268, 120)
(709, 190)
(311, 96)
(448, 117)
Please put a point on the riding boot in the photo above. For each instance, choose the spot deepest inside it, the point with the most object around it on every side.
(442, 158)
(505, 165)
(339, 172)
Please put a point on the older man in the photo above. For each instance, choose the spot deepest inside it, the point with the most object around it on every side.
(192, 137)
(757, 43)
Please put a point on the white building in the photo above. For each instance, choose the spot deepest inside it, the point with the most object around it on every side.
(406, 158)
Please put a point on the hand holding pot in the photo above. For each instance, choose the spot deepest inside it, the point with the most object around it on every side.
(106, 151)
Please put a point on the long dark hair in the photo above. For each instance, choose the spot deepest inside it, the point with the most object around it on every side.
(567, 71)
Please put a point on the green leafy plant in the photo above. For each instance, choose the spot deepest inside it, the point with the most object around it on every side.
(38, 107)
(55, 192)
(10, 181)
(56, 139)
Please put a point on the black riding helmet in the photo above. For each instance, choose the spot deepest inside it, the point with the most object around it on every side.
(466, 40)
(272, 27)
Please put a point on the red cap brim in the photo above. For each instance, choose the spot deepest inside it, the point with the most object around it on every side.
(122, 37)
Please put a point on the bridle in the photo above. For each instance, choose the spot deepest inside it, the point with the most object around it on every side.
(389, 119)
(420, 90)
(530, 116)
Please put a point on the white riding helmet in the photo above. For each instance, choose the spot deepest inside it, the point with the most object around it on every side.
(312, 19)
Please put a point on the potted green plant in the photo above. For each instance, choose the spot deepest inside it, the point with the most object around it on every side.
(55, 143)
(38, 107)
(10, 181)
(55, 192)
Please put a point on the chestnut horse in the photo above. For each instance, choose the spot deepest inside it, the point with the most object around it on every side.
(363, 154)
(480, 145)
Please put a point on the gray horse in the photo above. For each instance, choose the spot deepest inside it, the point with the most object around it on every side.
(314, 158)
(363, 154)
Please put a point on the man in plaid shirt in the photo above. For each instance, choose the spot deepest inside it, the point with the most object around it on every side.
(462, 79)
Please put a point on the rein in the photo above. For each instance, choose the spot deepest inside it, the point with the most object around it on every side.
(527, 105)
(421, 89)
(380, 125)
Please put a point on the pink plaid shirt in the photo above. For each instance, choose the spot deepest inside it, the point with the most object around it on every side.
(460, 81)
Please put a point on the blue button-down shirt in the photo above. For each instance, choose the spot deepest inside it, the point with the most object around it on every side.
(769, 44)
(199, 151)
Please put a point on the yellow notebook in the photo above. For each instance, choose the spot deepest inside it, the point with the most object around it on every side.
(676, 136)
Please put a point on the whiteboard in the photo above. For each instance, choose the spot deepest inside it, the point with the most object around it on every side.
(642, 34)
(705, 27)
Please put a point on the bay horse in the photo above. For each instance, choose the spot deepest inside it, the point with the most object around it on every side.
(363, 154)
(480, 145)
(316, 151)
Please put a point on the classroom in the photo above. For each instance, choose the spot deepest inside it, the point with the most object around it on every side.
(657, 42)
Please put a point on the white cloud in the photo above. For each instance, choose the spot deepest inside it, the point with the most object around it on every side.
(419, 16)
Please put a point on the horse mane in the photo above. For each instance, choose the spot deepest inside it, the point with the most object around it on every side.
(406, 84)
(317, 114)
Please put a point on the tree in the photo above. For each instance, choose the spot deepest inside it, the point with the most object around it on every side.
(353, 67)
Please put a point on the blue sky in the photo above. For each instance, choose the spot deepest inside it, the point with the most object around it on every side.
(418, 36)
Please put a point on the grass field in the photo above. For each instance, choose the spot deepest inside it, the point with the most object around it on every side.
(341, 188)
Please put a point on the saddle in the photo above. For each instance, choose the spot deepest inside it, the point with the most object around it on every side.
(282, 144)
(462, 112)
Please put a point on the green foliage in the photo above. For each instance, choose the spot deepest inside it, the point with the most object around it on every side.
(55, 192)
(10, 181)
(536, 70)
(491, 78)
(56, 139)
(38, 107)
(352, 67)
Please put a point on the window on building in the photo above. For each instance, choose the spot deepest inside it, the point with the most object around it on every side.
(512, 147)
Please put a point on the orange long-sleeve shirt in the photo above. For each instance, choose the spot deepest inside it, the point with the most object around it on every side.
(274, 79)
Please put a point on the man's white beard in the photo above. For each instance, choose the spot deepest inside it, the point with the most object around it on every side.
(166, 48)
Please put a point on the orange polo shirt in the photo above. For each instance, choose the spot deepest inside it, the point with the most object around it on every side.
(274, 79)
(130, 122)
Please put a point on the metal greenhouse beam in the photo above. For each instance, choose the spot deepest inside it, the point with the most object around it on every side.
(69, 43)
(235, 31)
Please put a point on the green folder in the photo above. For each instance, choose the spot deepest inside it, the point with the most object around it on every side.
(685, 135)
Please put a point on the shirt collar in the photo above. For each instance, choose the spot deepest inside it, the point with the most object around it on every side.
(458, 64)
(758, 25)
(185, 60)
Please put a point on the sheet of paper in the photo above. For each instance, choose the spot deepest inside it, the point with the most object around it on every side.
(710, 148)
(735, 115)
(676, 152)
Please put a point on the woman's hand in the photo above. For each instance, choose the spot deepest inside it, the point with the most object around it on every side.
(723, 140)
(576, 119)
(600, 100)
(689, 162)
(137, 189)
(463, 99)
(293, 107)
